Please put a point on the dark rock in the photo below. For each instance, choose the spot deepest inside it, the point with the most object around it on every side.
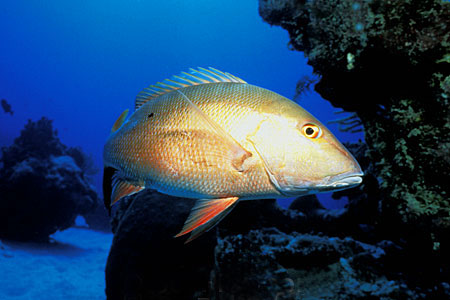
(38, 140)
(40, 197)
(268, 264)
(309, 205)
(145, 224)
(146, 261)
(255, 214)
(42, 189)
(387, 61)
(98, 219)
(349, 221)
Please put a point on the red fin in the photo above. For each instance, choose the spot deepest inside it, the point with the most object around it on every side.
(205, 214)
(122, 188)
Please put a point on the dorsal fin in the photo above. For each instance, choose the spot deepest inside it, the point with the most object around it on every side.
(195, 77)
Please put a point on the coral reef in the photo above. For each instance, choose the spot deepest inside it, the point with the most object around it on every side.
(269, 264)
(42, 187)
(387, 61)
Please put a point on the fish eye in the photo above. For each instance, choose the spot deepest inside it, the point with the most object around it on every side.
(312, 131)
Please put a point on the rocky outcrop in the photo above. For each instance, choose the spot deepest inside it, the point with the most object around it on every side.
(387, 61)
(146, 261)
(246, 257)
(41, 186)
(269, 264)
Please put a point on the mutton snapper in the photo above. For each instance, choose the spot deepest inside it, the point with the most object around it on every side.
(211, 136)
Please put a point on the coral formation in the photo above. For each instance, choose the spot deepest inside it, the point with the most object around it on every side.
(269, 264)
(388, 62)
(42, 186)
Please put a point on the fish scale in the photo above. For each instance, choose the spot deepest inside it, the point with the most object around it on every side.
(209, 135)
(155, 139)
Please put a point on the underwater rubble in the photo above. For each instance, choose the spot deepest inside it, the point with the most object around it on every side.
(269, 264)
(44, 184)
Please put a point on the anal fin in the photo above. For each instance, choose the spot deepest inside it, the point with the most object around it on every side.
(205, 214)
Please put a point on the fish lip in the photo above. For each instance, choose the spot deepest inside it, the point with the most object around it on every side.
(345, 180)
(331, 184)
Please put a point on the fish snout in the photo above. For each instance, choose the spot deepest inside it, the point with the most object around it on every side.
(350, 174)
(347, 179)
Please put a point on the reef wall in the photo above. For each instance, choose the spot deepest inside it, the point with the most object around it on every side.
(388, 61)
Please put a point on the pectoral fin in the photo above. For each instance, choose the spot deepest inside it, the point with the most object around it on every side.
(120, 120)
(205, 214)
(121, 188)
(115, 188)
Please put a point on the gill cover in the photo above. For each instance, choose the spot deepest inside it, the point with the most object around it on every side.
(271, 142)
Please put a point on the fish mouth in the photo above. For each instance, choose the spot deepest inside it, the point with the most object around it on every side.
(331, 184)
(345, 180)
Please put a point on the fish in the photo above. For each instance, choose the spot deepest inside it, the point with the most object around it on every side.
(211, 136)
(6, 107)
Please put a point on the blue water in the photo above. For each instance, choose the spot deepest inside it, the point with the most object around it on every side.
(81, 63)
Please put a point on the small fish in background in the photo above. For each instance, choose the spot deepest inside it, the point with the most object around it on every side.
(211, 136)
(7, 107)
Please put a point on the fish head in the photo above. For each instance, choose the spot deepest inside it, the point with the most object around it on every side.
(301, 156)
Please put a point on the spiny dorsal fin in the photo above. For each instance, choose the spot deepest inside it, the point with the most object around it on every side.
(195, 77)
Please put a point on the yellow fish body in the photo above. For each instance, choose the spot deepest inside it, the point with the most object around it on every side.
(211, 136)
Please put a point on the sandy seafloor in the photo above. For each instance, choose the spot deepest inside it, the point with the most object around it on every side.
(72, 266)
